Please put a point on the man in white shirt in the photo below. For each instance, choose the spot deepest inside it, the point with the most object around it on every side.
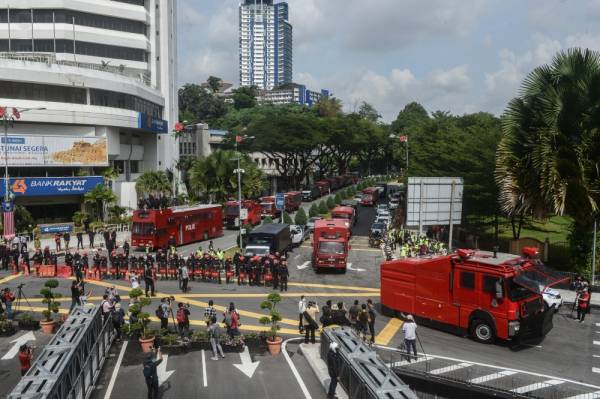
(409, 329)
(301, 309)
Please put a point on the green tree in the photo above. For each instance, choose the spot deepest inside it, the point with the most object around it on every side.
(98, 197)
(330, 202)
(323, 208)
(267, 220)
(287, 218)
(337, 199)
(244, 97)
(153, 181)
(300, 219)
(197, 104)
(328, 107)
(214, 84)
(214, 176)
(24, 222)
(313, 211)
(367, 111)
(549, 158)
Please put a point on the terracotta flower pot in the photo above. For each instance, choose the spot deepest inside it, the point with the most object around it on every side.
(47, 326)
(147, 344)
(275, 345)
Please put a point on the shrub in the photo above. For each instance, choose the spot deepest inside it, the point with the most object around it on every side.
(287, 218)
(330, 203)
(313, 211)
(268, 220)
(300, 219)
(50, 299)
(337, 199)
(323, 209)
(137, 313)
(274, 316)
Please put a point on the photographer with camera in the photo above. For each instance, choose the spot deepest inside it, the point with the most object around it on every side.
(150, 372)
(25, 356)
(183, 320)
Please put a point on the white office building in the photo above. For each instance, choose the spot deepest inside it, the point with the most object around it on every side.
(265, 47)
(104, 72)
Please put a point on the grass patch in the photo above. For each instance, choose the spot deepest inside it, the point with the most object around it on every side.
(555, 228)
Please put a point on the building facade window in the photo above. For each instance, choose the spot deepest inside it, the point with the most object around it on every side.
(40, 92)
(105, 98)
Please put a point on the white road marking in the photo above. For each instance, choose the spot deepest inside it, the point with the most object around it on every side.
(204, 376)
(595, 369)
(248, 367)
(293, 368)
(12, 352)
(450, 368)
(406, 362)
(592, 395)
(596, 342)
(115, 372)
(296, 257)
(491, 377)
(161, 371)
(596, 355)
(537, 385)
(583, 384)
(304, 265)
(597, 324)
(358, 269)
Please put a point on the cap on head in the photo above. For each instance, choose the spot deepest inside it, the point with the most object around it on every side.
(410, 317)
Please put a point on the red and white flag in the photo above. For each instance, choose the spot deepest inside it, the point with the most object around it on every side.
(238, 139)
(404, 139)
(9, 225)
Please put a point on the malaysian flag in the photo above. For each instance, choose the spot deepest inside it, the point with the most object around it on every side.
(238, 139)
(9, 222)
(403, 139)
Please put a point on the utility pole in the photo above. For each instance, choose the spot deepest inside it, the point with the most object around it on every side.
(594, 252)
(239, 184)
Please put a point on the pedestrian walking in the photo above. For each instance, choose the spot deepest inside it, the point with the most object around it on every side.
(57, 242)
(118, 319)
(310, 315)
(91, 236)
(134, 280)
(149, 280)
(107, 307)
(183, 320)
(185, 278)
(363, 322)
(333, 367)
(409, 329)
(231, 318)
(7, 299)
(353, 314)
(209, 312)
(151, 374)
(582, 304)
(214, 335)
(79, 236)
(75, 295)
(162, 312)
(67, 238)
(301, 309)
(25, 356)
(371, 321)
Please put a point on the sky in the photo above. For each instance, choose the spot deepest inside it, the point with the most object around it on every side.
(460, 56)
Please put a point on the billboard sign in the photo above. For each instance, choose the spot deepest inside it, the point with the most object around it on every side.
(54, 150)
(150, 123)
(429, 201)
(280, 201)
(55, 228)
(52, 186)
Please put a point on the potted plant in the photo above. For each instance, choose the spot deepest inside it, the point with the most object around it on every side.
(6, 327)
(255, 341)
(26, 321)
(274, 317)
(142, 318)
(170, 344)
(50, 300)
(200, 340)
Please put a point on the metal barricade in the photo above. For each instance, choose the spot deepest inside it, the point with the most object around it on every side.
(362, 373)
(69, 365)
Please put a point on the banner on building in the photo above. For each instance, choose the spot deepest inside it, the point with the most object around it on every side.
(54, 151)
(56, 228)
(148, 122)
(52, 186)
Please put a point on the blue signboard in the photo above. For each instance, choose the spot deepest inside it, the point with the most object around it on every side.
(51, 186)
(56, 228)
(150, 123)
(280, 201)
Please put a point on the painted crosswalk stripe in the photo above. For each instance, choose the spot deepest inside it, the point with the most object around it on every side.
(596, 342)
(491, 377)
(406, 362)
(448, 369)
(596, 370)
(592, 395)
(536, 386)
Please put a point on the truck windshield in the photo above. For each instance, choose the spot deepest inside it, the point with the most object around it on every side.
(142, 229)
(536, 277)
(517, 292)
(340, 216)
(266, 207)
(257, 251)
(331, 248)
(232, 210)
(259, 240)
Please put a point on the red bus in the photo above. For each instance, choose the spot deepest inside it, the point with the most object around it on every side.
(370, 196)
(323, 186)
(232, 209)
(346, 213)
(293, 199)
(268, 207)
(153, 228)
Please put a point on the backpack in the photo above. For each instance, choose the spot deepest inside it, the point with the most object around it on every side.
(159, 312)
(149, 369)
(363, 317)
(181, 317)
(228, 320)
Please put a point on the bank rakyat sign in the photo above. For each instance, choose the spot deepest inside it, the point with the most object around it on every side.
(52, 186)
(148, 122)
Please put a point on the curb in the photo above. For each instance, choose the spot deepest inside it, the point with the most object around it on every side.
(592, 305)
(318, 366)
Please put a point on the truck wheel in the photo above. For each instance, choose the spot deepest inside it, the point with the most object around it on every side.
(482, 331)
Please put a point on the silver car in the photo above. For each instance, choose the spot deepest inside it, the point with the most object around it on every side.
(310, 225)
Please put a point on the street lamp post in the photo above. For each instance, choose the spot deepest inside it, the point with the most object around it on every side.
(239, 171)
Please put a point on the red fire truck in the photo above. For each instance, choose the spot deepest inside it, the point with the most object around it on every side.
(153, 228)
(330, 245)
(346, 213)
(323, 186)
(370, 196)
(232, 210)
(491, 295)
(293, 199)
(268, 207)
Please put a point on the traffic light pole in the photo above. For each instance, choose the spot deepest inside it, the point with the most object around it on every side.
(239, 183)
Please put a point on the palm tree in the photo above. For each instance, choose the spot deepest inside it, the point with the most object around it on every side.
(153, 181)
(549, 157)
(98, 197)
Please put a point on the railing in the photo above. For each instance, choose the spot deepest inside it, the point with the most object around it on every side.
(122, 227)
(68, 367)
(49, 58)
